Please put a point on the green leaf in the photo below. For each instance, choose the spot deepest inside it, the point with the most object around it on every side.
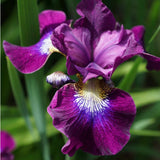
(19, 94)
(19, 131)
(141, 124)
(145, 133)
(29, 34)
(146, 97)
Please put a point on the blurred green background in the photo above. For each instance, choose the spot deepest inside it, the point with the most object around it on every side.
(145, 90)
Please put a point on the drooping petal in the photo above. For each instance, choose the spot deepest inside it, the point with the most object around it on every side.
(95, 16)
(153, 61)
(50, 19)
(30, 59)
(94, 124)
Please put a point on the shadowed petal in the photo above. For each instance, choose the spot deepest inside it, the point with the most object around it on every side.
(58, 37)
(95, 125)
(71, 70)
(95, 16)
(30, 59)
(50, 19)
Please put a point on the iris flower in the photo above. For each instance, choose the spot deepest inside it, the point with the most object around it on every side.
(92, 113)
(7, 145)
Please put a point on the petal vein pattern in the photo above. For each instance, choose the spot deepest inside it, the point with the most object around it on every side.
(96, 122)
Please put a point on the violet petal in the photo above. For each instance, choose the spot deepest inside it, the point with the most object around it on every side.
(78, 46)
(96, 17)
(7, 142)
(153, 61)
(30, 59)
(100, 128)
(50, 19)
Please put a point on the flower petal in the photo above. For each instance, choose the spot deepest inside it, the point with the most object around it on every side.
(93, 70)
(97, 126)
(138, 33)
(108, 48)
(78, 46)
(50, 19)
(58, 37)
(153, 61)
(30, 59)
(7, 142)
(95, 16)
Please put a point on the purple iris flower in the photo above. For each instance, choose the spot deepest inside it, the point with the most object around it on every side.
(92, 113)
(7, 145)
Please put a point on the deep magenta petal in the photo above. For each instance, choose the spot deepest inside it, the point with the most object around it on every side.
(50, 19)
(58, 37)
(71, 69)
(96, 16)
(7, 142)
(32, 58)
(102, 129)
(138, 33)
(78, 44)
(153, 61)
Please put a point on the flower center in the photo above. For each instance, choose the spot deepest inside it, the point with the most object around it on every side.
(92, 95)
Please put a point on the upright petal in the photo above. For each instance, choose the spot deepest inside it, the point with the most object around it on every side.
(95, 16)
(138, 32)
(50, 19)
(95, 117)
(78, 46)
(109, 48)
(58, 37)
(32, 58)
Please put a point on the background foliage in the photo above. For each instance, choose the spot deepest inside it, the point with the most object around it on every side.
(144, 86)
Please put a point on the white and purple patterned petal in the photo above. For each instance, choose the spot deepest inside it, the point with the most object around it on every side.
(95, 121)
(32, 58)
